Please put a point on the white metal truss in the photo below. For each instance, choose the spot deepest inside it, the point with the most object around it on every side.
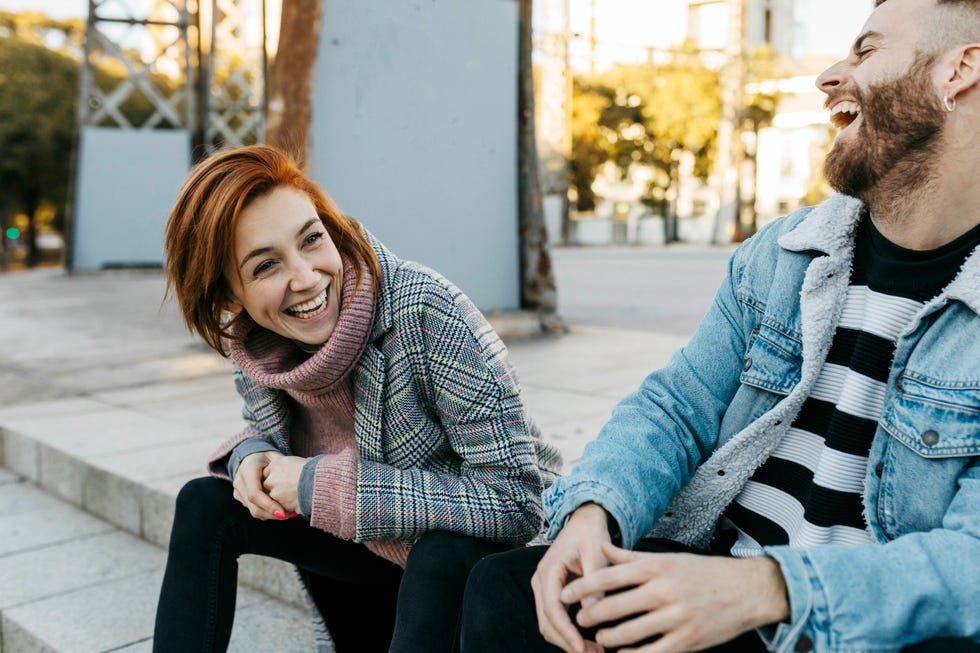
(234, 74)
(198, 65)
(138, 66)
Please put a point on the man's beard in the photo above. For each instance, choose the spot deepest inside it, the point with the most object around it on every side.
(902, 122)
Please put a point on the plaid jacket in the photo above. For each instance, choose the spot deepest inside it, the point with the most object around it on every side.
(443, 439)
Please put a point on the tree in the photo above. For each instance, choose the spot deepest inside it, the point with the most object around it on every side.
(538, 291)
(589, 149)
(38, 91)
(761, 100)
(290, 78)
(645, 116)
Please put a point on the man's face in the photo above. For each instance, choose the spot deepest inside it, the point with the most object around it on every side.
(884, 100)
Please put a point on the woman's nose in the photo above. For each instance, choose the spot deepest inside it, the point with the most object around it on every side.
(304, 276)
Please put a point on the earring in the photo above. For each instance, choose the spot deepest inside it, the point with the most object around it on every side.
(949, 104)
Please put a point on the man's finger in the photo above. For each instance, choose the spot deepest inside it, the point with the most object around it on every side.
(599, 582)
(620, 605)
(635, 631)
(616, 555)
(553, 620)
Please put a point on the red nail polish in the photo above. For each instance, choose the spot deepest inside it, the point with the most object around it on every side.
(293, 514)
(279, 515)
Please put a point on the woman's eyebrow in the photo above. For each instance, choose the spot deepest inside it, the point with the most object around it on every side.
(259, 251)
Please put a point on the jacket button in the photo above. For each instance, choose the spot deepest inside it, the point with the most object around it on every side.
(803, 644)
(879, 469)
(930, 438)
(898, 384)
(747, 365)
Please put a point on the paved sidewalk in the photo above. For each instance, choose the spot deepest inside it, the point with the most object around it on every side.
(107, 406)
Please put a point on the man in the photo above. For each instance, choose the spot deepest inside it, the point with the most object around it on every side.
(805, 473)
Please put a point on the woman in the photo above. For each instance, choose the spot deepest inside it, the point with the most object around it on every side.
(386, 447)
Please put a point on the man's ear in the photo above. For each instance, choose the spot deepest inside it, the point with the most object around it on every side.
(964, 73)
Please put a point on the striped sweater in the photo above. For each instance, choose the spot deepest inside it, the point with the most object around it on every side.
(809, 491)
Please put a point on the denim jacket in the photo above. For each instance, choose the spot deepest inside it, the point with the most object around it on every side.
(677, 451)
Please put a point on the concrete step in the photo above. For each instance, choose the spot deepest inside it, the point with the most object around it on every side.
(70, 582)
(122, 456)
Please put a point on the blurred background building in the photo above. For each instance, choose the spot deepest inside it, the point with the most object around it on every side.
(694, 120)
(675, 120)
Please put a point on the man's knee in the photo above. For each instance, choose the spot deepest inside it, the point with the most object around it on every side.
(449, 554)
(498, 605)
(482, 600)
(501, 584)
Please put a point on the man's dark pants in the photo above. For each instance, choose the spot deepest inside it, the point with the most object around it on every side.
(499, 614)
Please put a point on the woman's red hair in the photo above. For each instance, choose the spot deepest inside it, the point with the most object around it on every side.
(200, 230)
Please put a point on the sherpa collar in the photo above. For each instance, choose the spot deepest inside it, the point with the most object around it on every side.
(830, 228)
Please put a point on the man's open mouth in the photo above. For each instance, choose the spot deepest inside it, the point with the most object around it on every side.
(844, 113)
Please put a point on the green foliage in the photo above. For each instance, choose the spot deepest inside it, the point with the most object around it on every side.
(762, 65)
(38, 89)
(644, 115)
(589, 150)
(38, 97)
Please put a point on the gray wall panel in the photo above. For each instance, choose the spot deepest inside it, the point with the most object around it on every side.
(127, 183)
(415, 132)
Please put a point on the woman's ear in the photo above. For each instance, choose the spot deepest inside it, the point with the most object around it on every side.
(233, 306)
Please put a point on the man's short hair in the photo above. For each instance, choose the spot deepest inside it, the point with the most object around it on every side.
(957, 24)
(975, 4)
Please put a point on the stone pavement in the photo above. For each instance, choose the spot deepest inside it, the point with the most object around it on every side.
(107, 406)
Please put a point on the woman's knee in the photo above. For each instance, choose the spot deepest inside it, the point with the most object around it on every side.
(201, 502)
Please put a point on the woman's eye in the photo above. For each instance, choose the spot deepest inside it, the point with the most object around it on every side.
(262, 267)
(314, 237)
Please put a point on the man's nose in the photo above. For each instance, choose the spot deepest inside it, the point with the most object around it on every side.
(833, 77)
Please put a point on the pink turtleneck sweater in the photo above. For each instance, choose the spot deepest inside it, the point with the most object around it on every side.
(321, 403)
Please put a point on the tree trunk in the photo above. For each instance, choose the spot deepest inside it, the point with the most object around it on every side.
(538, 290)
(33, 253)
(4, 221)
(290, 83)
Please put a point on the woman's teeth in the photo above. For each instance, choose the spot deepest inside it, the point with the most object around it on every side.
(311, 308)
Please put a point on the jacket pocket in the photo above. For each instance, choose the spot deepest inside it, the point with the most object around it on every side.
(935, 418)
(773, 360)
(933, 439)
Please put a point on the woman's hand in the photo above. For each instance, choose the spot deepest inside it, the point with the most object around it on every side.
(249, 490)
(692, 601)
(281, 481)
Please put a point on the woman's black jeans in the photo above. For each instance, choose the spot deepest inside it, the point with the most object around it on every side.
(417, 609)
(499, 614)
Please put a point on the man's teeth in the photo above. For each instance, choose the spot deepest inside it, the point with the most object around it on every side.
(844, 113)
(310, 308)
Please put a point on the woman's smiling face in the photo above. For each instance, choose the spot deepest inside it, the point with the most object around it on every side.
(285, 271)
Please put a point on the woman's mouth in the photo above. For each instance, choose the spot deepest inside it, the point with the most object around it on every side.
(309, 309)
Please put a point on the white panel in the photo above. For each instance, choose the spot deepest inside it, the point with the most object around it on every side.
(415, 132)
(127, 183)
